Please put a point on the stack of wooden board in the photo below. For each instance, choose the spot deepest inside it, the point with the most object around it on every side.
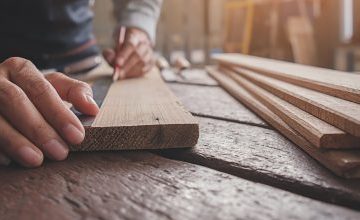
(318, 109)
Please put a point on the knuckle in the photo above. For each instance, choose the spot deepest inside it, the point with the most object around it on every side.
(83, 85)
(54, 76)
(17, 64)
(10, 93)
(80, 86)
(130, 46)
(41, 133)
(39, 87)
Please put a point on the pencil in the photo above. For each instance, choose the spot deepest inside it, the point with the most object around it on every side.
(121, 39)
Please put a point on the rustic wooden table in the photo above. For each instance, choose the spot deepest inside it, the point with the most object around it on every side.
(240, 169)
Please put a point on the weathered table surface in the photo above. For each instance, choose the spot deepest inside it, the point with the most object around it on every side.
(240, 169)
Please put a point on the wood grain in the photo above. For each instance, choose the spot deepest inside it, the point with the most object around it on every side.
(340, 113)
(265, 156)
(125, 185)
(140, 113)
(318, 132)
(343, 163)
(335, 83)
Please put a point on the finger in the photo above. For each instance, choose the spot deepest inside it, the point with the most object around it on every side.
(124, 54)
(136, 58)
(4, 160)
(109, 55)
(78, 93)
(138, 71)
(18, 147)
(25, 118)
(46, 100)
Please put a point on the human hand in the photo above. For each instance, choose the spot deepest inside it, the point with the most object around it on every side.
(133, 57)
(34, 121)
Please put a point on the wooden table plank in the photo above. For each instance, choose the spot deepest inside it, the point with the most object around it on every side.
(264, 155)
(214, 102)
(143, 186)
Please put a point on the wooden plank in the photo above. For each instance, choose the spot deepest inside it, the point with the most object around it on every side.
(341, 113)
(139, 185)
(318, 132)
(265, 156)
(140, 113)
(332, 82)
(301, 37)
(211, 101)
(343, 163)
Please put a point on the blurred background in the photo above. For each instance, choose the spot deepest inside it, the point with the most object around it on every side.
(323, 33)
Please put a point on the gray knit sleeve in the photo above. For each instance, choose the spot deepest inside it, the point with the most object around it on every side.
(142, 14)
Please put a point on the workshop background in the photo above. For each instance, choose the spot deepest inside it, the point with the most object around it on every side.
(322, 33)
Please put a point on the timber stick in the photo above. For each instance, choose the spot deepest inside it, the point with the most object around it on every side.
(318, 132)
(336, 83)
(301, 37)
(340, 113)
(345, 163)
(140, 113)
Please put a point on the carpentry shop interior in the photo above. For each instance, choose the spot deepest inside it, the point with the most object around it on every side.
(179, 109)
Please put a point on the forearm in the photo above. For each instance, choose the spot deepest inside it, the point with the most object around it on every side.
(142, 14)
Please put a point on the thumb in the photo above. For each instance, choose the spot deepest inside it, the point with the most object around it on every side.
(74, 91)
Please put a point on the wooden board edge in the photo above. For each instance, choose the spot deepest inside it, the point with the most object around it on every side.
(340, 140)
(344, 167)
(330, 89)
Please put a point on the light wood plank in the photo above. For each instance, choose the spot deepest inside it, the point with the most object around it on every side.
(318, 132)
(341, 113)
(335, 83)
(140, 113)
(301, 37)
(343, 163)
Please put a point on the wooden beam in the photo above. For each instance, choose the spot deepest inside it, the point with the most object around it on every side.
(318, 132)
(343, 163)
(331, 82)
(338, 112)
(140, 113)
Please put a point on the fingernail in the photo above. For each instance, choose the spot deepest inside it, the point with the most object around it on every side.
(56, 150)
(29, 156)
(73, 134)
(4, 160)
(90, 100)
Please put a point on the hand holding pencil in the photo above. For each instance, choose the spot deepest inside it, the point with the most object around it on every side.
(133, 54)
